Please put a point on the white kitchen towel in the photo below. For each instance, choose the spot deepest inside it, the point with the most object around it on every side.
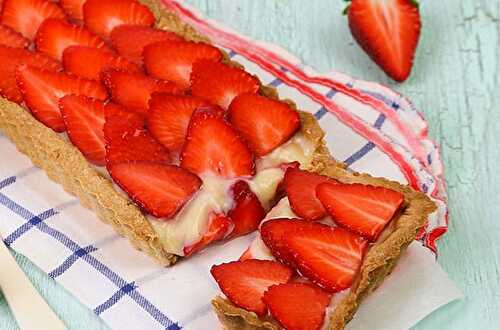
(370, 127)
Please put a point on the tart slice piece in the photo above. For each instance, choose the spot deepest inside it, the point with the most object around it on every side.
(336, 267)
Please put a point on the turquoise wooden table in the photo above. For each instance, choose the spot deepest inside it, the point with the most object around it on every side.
(454, 83)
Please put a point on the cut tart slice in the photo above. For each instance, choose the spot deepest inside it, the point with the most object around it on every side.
(342, 255)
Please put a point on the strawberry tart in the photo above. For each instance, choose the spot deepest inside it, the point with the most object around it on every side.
(177, 147)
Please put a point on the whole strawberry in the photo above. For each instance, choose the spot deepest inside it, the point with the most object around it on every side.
(388, 31)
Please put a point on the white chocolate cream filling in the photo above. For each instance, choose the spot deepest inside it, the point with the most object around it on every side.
(189, 225)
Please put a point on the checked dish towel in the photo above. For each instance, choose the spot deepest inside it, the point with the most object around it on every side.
(369, 127)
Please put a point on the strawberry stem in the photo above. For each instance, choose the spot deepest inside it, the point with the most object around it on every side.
(415, 3)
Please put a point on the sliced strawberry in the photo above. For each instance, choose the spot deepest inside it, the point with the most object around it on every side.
(213, 145)
(102, 16)
(361, 208)
(11, 58)
(25, 16)
(133, 90)
(273, 233)
(297, 306)
(161, 190)
(55, 35)
(247, 212)
(328, 256)
(128, 140)
(220, 83)
(88, 62)
(73, 8)
(388, 31)
(168, 118)
(244, 282)
(300, 186)
(173, 60)
(120, 123)
(246, 255)
(265, 123)
(43, 89)
(11, 38)
(84, 120)
(130, 40)
(218, 228)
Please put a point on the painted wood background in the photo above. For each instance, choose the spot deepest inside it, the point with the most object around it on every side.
(456, 85)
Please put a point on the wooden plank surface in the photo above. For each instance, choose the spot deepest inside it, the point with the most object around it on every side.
(456, 85)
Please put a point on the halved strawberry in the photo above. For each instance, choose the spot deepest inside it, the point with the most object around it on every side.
(244, 282)
(388, 31)
(133, 90)
(130, 40)
(11, 38)
(273, 233)
(84, 120)
(25, 16)
(42, 90)
(102, 16)
(297, 306)
(218, 228)
(361, 208)
(300, 186)
(213, 145)
(159, 189)
(220, 83)
(73, 8)
(247, 212)
(128, 140)
(11, 58)
(328, 256)
(265, 123)
(173, 60)
(121, 122)
(168, 118)
(88, 62)
(55, 35)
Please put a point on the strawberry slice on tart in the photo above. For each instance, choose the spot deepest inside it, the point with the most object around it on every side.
(55, 35)
(26, 16)
(11, 38)
(84, 120)
(133, 90)
(212, 145)
(11, 58)
(88, 62)
(173, 60)
(127, 139)
(130, 40)
(160, 189)
(168, 118)
(363, 209)
(42, 90)
(300, 187)
(219, 226)
(298, 306)
(245, 282)
(247, 211)
(220, 83)
(265, 123)
(102, 16)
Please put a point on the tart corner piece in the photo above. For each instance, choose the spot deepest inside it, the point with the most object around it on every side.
(377, 264)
